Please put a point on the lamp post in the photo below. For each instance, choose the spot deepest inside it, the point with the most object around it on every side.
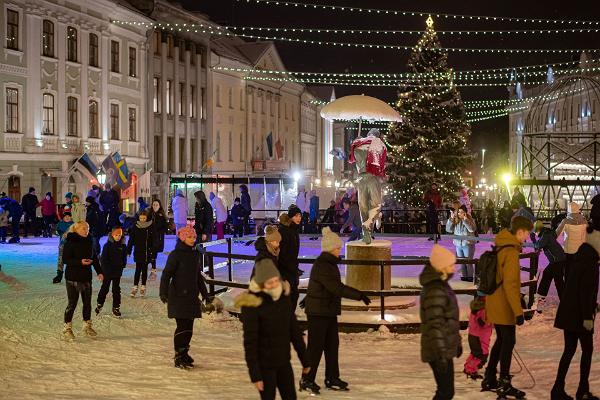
(101, 176)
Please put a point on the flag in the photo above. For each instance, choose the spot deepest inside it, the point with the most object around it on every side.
(270, 144)
(209, 162)
(279, 149)
(144, 185)
(86, 165)
(338, 153)
(116, 170)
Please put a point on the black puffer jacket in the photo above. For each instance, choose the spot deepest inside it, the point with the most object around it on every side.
(29, 202)
(76, 249)
(325, 288)
(92, 217)
(269, 328)
(289, 249)
(580, 297)
(141, 240)
(182, 282)
(204, 220)
(114, 258)
(440, 326)
(160, 229)
(262, 251)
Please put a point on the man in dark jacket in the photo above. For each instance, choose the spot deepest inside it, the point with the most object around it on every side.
(30, 203)
(109, 201)
(237, 218)
(269, 328)
(203, 218)
(247, 206)
(92, 217)
(323, 305)
(557, 261)
(15, 212)
(181, 284)
(289, 225)
(353, 220)
(440, 325)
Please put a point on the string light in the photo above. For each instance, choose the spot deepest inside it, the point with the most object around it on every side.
(473, 120)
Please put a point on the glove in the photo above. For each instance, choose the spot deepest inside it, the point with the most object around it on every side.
(164, 298)
(588, 324)
(460, 351)
(58, 277)
(365, 299)
(302, 304)
(520, 320)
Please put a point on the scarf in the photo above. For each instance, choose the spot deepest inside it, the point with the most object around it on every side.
(143, 225)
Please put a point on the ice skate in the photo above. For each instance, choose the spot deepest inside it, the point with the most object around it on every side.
(473, 375)
(336, 384)
(506, 390)
(187, 358)
(134, 290)
(586, 396)
(152, 276)
(68, 331)
(309, 386)
(98, 308)
(489, 382)
(88, 330)
(181, 362)
(558, 393)
(14, 240)
(116, 312)
(538, 303)
(143, 291)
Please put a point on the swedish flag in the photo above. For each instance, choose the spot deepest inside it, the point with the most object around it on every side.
(116, 170)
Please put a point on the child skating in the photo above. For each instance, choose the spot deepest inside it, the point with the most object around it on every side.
(141, 242)
(480, 333)
(61, 229)
(113, 260)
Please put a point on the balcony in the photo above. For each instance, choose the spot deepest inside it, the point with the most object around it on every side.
(270, 165)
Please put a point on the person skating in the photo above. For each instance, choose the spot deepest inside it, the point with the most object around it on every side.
(204, 218)
(268, 246)
(575, 316)
(547, 241)
(180, 208)
(323, 303)
(113, 260)
(93, 218)
(573, 228)
(79, 256)
(61, 229)
(30, 203)
(269, 328)
(246, 203)
(440, 325)
(220, 214)
(433, 221)
(353, 220)
(480, 334)
(237, 218)
(180, 285)
(48, 207)
(461, 223)
(503, 307)
(141, 242)
(289, 227)
(15, 212)
(3, 224)
(159, 218)
(77, 209)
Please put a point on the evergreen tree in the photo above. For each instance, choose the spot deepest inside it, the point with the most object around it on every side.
(430, 144)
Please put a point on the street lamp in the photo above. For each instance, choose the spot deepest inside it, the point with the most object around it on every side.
(101, 176)
(482, 158)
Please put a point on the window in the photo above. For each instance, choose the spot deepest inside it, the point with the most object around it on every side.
(12, 29)
(171, 153)
(181, 104)
(218, 95)
(242, 99)
(194, 152)
(192, 54)
(182, 154)
(230, 149)
(156, 101)
(218, 149)
(48, 114)
(93, 110)
(72, 116)
(48, 38)
(132, 62)
(181, 51)
(12, 109)
(114, 121)
(114, 56)
(157, 154)
(93, 50)
(132, 124)
(71, 44)
(201, 111)
(241, 147)
(192, 101)
(170, 46)
(169, 97)
(157, 43)
(230, 97)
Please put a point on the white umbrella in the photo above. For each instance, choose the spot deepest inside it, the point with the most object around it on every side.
(360, 107)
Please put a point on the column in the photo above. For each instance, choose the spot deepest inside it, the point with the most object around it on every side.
(83, 103)
(249, 130)
(163, 90)
(200, 123)
(149, 131)
(277, 107)
(209, 96)
(61, 99)
(176, 99)
(32, 97)
(187, 111)
(104, 95)
(145, 108)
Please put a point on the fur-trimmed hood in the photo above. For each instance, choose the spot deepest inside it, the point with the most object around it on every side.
(284, 219)
(253, 296)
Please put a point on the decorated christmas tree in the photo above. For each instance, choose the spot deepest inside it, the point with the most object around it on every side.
(430, 144)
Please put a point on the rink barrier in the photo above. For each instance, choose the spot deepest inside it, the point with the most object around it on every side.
(382, 293)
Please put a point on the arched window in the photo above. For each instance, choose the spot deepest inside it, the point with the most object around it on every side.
(48, 38)
(93, 111)
(71, 44)
(48, 114)
(72, 116)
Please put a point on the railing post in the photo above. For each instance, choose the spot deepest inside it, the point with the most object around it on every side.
(211, 273)
(381, 288)
(533, 269)
(229, 263)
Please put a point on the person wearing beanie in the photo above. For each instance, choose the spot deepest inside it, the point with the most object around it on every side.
(113, 260)
(237, 218)
(48, 207)
(180, 285)
(30, 203)
(323, 303)
(141, 244)
(289, 228)
(573, 228)
(268, 246)
(61, 229)
(440, 324)
(269, 328)
(480, 334)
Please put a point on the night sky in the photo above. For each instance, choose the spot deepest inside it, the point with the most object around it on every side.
(491, 134)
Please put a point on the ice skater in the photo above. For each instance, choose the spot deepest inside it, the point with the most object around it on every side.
(237, 218)
(557, 264)
(141, 242)
(113, 260)
(61, 229)
(161, 226)
(3, 224)
(480, 333)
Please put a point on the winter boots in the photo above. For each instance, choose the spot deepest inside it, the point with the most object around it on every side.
(558, 393)
(98, 308)
(507, 391)
(14, 239)
(309, 386)
(586, 396)
(489, 382)
(539, 302)
(183, 360)
(58, 277)
(336, 384)
(134, 290)
(68, 331)
(88, 330)
(142, 290)
(116, 312)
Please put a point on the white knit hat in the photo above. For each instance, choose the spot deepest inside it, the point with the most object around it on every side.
(573, 208)
(441, 257)
(331, 240)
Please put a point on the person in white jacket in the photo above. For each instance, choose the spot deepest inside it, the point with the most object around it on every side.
(221, 214)
(574, 229)
(461, 223)
(179, 205)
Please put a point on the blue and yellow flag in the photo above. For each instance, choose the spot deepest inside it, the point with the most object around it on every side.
(116, 170)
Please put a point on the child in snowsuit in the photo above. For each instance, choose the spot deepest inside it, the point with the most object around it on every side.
(113, 260)
(62, 228)
(141, 237)
(3, 224)
(237, 218)
(480, 333)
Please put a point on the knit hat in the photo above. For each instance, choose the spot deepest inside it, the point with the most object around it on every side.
(441, 257)
(68, 195)
(293, 210)
(331, 240)
(178, 192)
(264, 270)
(48, 194)
(272, 234)
(573, 208)
(186, 232)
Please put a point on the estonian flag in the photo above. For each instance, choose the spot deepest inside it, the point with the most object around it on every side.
(88, 165)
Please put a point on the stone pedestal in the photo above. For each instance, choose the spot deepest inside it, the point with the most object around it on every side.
(368, 277)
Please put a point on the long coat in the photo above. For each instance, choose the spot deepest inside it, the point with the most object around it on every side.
(325, 288)
(204, 220)
(440, 325)
(160, 229)
(182, 282)
(289, 249)
(76, 249)
(141, 240)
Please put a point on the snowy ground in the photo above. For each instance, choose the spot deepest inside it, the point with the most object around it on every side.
(132, 357)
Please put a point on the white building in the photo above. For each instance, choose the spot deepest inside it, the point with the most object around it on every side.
(71, 82)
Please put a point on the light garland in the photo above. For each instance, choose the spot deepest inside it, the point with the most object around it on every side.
(473, 120)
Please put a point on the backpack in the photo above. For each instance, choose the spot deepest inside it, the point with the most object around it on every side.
(486, 269)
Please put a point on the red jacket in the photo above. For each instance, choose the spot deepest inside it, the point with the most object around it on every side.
(48, 207)
(435, 197)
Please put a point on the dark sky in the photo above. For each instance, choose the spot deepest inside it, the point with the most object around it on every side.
(492, 134)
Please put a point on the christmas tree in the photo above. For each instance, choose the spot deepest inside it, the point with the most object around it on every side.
(430, 144)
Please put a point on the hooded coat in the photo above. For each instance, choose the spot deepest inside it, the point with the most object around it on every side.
(180, 207)
(580, 297)
(78, 248)
(547, 241)
(440, 325)
(289, 250)
(574, 228)
(262, 251)
(141, 236)
(504, 305)
(113, 258)
(182, 282)
(204, 219)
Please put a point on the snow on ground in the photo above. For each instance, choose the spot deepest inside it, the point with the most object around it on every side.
(132, 357)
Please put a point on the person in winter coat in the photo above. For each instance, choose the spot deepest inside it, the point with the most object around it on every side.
(221, 214)
(490, 217)
(141, 243)
(522, 211)
(480, 334)
(440, 325)
(314, 211)
(15, 212)
(79, 256)
(180, 208)
(289, 228)
(237, 218)
(113, 260)
(503, 307)
(434, 195)
(204, 218)
(159, 219)
(269, 328)
(48, 214)
(330, 213)
(67, 206)
(180, 286)
(142, 205)
(574, 229)
(575, 316)
(519, 198)
(77, 209)
(61, 229)
(323, 303)
(92, 217)
(353, 220)
(555, 270)
(109, 200)
(433, 221)
(303, 203)
(268, 246)
(247, 206)
(3, 224)
(30, 203)
(506, 214)
(462, 224)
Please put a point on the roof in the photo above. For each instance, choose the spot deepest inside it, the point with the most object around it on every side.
(323, 93)
(229, 47)
(254, 51)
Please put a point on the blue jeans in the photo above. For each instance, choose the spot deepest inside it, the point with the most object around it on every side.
(466, 251)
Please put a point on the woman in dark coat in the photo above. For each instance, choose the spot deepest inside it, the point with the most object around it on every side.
(289, 228)
(141, 243)
(180, 285)
(204, 218)
(247, 206)
(114, 259)
(505, 215)
(159, 220)
(575, 316)
(440, 326)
